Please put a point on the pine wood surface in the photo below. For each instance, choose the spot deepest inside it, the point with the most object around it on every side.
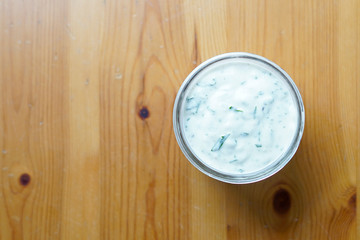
(87, 146)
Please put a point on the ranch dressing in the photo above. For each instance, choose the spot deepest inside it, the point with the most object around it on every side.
(238, 117)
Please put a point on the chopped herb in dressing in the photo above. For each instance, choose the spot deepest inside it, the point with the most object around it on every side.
(211, 110)
(235, 109)
(219, 143)
(258, 145)
(192, 105)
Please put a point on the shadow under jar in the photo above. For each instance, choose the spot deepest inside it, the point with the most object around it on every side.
(238, 118)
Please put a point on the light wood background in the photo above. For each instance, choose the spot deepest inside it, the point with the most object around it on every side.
(79, 161)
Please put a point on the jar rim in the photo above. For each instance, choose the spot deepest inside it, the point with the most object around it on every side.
(242, 178)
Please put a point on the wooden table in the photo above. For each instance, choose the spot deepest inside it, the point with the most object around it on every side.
(88, 150)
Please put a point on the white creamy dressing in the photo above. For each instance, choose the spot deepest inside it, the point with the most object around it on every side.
(239, 117)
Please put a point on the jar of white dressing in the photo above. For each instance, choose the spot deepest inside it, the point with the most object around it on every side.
(238, 118)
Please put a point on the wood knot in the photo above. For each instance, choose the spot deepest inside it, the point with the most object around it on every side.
(24, 179)
(228, 227)
(144, 113)
(281, 201)
(352, 202)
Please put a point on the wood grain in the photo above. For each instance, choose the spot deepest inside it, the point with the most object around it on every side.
(86, 96)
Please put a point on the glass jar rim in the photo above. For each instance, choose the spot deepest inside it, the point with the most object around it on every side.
(242, 178)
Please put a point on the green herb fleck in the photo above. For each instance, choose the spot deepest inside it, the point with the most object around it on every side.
(236, 110)
(192, 105)
(258, 145)
(213, 83)
(232, 161)
(244, 134)
(219, 143)
(211, 110)
(255, 112)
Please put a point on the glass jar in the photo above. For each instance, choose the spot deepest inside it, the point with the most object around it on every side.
(178, 119)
